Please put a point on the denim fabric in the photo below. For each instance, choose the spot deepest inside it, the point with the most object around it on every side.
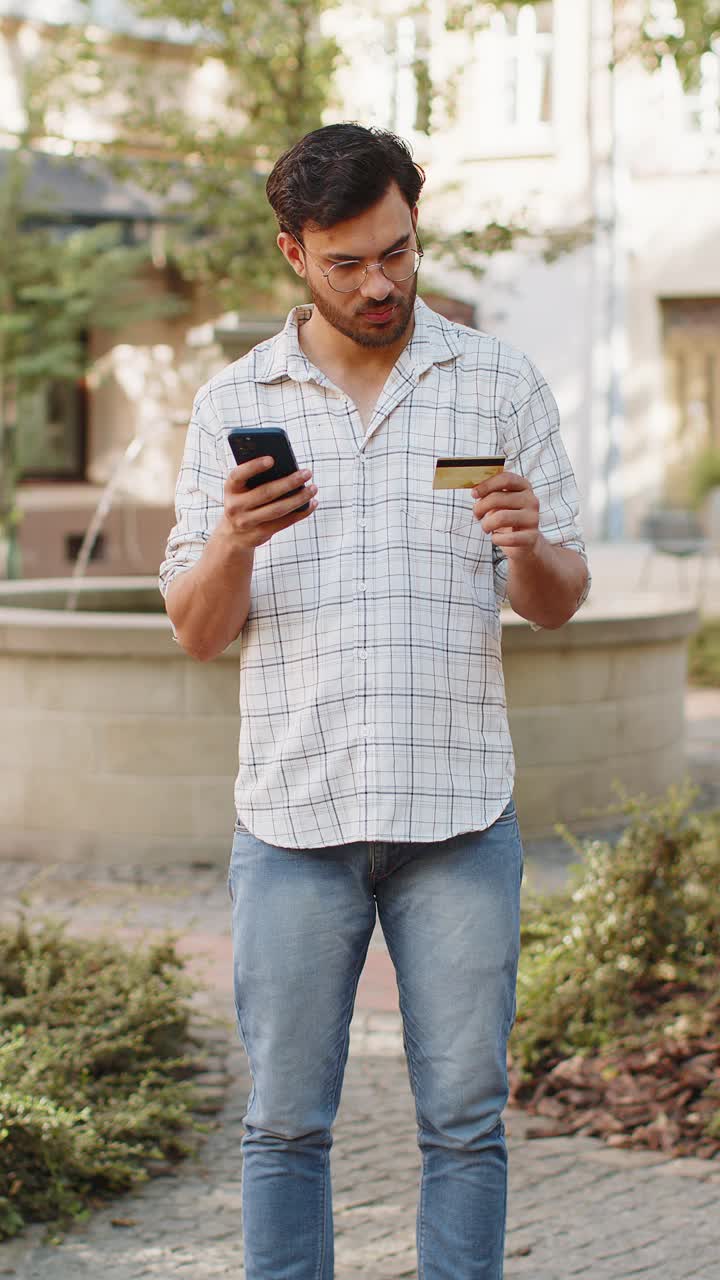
(302, 921)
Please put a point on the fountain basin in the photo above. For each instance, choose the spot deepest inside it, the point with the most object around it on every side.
(116, 746)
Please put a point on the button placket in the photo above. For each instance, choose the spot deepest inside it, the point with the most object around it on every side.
(361, 599)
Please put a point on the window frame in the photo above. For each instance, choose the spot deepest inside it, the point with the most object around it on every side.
(519, 137)
(78, 473)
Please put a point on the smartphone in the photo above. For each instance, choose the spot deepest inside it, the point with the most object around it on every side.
(260, 442)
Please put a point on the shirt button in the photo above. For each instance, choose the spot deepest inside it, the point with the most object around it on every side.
(362, 586)
(362, 655)
(362, 524)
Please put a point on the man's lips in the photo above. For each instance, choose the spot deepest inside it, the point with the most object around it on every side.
(380, 313)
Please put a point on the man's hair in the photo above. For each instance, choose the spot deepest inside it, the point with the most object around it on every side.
(337, 172)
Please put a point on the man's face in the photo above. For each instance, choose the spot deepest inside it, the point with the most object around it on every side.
(379, 312)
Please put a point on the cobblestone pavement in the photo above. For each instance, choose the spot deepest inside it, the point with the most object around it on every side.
(576, 1207)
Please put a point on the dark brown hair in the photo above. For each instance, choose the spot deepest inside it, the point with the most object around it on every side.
(337, 172)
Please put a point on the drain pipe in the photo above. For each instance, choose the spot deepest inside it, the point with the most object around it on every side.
(608, 191)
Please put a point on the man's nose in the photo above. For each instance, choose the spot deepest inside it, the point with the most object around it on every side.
(376, 286)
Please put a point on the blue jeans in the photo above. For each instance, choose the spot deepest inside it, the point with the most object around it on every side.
(302, 921)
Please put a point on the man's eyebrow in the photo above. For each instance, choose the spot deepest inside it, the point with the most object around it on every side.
(348, 257)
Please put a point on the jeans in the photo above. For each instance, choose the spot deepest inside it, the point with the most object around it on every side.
(302, 921)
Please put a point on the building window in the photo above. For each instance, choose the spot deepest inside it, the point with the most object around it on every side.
(51, 432)
(518, 58)
(407, 48)
(505, 97)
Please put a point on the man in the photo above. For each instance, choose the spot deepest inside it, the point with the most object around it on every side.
(376, 769)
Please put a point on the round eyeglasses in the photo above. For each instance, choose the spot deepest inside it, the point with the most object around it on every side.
(346, 277)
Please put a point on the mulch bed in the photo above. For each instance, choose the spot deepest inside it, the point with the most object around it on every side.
(659, 1097)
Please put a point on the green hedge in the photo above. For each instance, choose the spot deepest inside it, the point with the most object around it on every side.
(640, 931)
(704, 655)
(93, 1058)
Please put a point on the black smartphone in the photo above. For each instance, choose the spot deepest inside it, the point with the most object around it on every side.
(259, 442)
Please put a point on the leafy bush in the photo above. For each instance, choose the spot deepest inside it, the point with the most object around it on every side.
(641, 926)
(704, 474)
(704, 655)
(93, 1042)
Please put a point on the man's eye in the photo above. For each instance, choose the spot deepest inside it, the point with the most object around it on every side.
(346, 275)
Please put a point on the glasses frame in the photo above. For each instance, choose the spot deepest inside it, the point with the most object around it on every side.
(356, 261)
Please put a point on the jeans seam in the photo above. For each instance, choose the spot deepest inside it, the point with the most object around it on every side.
(323, 1215)
(333, 1105)
(418, 1117)
(335, 1088)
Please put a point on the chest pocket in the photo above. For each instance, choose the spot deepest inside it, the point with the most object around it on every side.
(442, 510)
(443, 519)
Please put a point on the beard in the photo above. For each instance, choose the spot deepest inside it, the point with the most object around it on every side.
(361, 332)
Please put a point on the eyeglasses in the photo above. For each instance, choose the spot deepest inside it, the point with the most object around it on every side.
(346, 277)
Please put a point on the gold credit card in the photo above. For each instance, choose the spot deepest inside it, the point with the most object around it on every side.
(465, 473)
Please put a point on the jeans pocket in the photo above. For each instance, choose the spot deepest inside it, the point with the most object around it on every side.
(509, 814)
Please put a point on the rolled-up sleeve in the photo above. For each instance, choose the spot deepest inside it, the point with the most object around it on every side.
(533, 446)
(199, 493)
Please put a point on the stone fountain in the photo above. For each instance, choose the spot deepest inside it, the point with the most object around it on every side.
(118, 747)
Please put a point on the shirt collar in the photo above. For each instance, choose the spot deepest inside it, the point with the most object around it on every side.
(435, 340)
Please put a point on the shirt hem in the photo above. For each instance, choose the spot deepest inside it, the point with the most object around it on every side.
(381, 837)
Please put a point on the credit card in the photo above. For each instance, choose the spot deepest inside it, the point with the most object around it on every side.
(465, 473)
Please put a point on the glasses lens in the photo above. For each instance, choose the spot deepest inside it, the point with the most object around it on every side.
(346, 276)
(401, 265)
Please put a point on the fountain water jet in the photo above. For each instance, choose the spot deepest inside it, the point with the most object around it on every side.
(100, 515)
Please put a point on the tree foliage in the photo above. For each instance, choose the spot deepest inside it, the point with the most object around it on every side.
(649, 29)
(692, 32)
(276, 70)
(55, 284)
(272, 71)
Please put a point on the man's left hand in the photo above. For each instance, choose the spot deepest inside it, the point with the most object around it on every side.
(510, 512)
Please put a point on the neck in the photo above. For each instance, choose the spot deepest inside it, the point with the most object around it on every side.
(326, 346)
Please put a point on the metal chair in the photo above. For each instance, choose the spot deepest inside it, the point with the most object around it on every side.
(675, 531)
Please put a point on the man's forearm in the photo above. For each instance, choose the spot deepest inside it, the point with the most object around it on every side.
(209, 604)
(545, 587)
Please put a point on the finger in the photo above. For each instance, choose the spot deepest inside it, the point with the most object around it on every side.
(274, 526)
(504, 480)
(509, 520)
(518, 499)
(508, 538)
(266, 512)
(269, 511)
(261, 494)
(240, 475)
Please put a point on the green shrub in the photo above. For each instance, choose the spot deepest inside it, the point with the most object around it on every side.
(704, 655)
(704, 474)
(641, 925)
(93, 1055)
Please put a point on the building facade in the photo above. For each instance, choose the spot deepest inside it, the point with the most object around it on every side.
(521, 115)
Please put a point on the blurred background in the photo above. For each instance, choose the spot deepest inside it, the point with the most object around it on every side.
(572, 150)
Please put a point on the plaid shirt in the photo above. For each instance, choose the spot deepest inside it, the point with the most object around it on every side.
(371, 687)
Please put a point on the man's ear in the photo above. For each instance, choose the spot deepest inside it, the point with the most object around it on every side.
(414, 216)
(290, 249)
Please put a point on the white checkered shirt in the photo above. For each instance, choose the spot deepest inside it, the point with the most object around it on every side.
(372, 702)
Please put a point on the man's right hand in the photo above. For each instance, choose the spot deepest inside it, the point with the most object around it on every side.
(254, 515)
